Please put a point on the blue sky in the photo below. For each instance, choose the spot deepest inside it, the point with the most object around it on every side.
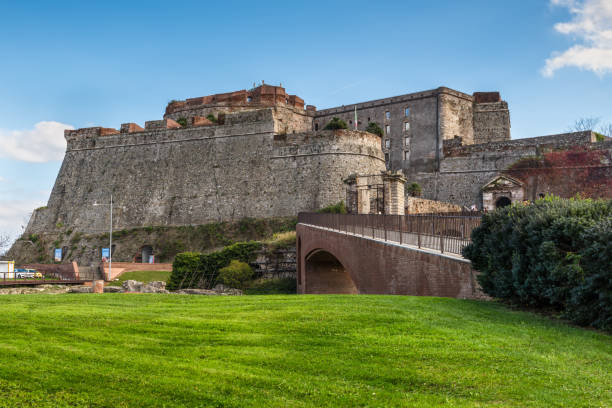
(82, 64)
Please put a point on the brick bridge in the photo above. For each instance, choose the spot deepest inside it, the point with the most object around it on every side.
(386, 254)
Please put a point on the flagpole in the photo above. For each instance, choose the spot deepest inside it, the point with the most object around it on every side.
(355, 117)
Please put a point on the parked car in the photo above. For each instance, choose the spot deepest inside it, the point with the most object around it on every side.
(22, 273)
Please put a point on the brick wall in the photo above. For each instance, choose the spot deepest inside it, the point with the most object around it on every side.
(378, 268)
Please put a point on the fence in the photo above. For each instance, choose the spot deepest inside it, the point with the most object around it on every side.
(445, 232)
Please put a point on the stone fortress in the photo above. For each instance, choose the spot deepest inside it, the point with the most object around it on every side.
(262, 153)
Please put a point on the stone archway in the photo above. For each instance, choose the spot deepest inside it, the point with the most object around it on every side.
(145, 253)
(326, 275)
(502, 201)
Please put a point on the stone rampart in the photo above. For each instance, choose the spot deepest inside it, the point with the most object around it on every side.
(195, 175)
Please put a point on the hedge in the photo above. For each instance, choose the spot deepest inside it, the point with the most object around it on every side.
(553, 254)
(196, 270)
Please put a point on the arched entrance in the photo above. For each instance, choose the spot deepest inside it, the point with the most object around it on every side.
(326, 275)
(502, 202)
(146, 254)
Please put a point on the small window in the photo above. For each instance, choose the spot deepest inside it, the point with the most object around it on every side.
(406, 126)
(387, 157)
(249, 99)
(406, 154)
(388, 115)
(316, 126)
(387, 143)
(369, 120)
(388, 129)
(287, 101)
(407, 141)
(407, 112)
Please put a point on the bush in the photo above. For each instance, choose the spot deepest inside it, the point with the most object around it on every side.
(281, 240)
(281, 286)
(414, 189)
(336, 123)
(338, 208)
(374, 129)
(236, 274)
(211, 117)
(554, 254)
(182, 121)
(195, 270)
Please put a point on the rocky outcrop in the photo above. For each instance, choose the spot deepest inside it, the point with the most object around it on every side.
(132, 286)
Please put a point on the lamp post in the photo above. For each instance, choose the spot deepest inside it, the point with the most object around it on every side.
(110, 238)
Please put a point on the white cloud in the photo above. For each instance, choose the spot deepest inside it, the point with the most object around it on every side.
(43, 143)
(591, 27)
(15, 214)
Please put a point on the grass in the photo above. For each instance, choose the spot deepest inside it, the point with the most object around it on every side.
(144, 350)
(281, 240)
(141, 276)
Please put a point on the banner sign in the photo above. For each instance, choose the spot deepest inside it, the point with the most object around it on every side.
(58, 255)
(105, 254)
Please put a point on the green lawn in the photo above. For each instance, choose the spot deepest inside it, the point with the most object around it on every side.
(141, 276)
(115, 350)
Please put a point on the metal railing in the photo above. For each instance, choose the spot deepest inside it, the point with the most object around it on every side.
(445, 232)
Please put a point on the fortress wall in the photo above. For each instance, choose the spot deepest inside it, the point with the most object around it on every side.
(466, 169)
(198, 175)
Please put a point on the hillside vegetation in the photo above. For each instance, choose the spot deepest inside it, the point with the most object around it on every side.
(292, 351)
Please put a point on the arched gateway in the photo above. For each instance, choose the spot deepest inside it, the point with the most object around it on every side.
(327, 275)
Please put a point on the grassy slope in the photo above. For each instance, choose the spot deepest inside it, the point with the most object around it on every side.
(173, 350)
(141, 276)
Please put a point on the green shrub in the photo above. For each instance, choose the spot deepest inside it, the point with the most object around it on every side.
(182, 121)
(338, 208)
(414, 189)
(211, 117)
(195, 270)
(281, 286)
(553, 254)
(281, 240)
(236, 274)
(336, 123)
(599, 137)
(374, 128)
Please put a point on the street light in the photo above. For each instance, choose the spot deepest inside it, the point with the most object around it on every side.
(110, 237)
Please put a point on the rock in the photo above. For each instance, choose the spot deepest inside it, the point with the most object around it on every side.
(80, 289)
(226, 290)
(197, 292)
(140, 287)
(113, 289)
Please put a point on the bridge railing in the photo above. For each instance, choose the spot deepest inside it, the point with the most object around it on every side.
(445, 232)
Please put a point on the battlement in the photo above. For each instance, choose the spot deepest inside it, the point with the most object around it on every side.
(261, 96)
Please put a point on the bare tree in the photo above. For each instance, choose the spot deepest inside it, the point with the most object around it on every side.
(606, 129)
(5, 242)
(584, 124)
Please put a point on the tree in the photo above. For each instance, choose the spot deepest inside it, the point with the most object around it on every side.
(414, 189)
(374, 128)
(336, 123)
(5, 242)
(592, 124)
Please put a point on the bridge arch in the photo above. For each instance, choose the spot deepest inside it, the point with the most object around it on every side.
(325, 274)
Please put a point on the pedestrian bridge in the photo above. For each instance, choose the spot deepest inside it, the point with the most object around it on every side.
(386, 254)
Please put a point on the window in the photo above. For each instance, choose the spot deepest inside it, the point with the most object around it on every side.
(316, 126)
(407, 141)
(407, 112)
(387, 157)
(387, 143)
(388, 115)
(406, 154)
(406, 126)
(388, 129)
(249, 99)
